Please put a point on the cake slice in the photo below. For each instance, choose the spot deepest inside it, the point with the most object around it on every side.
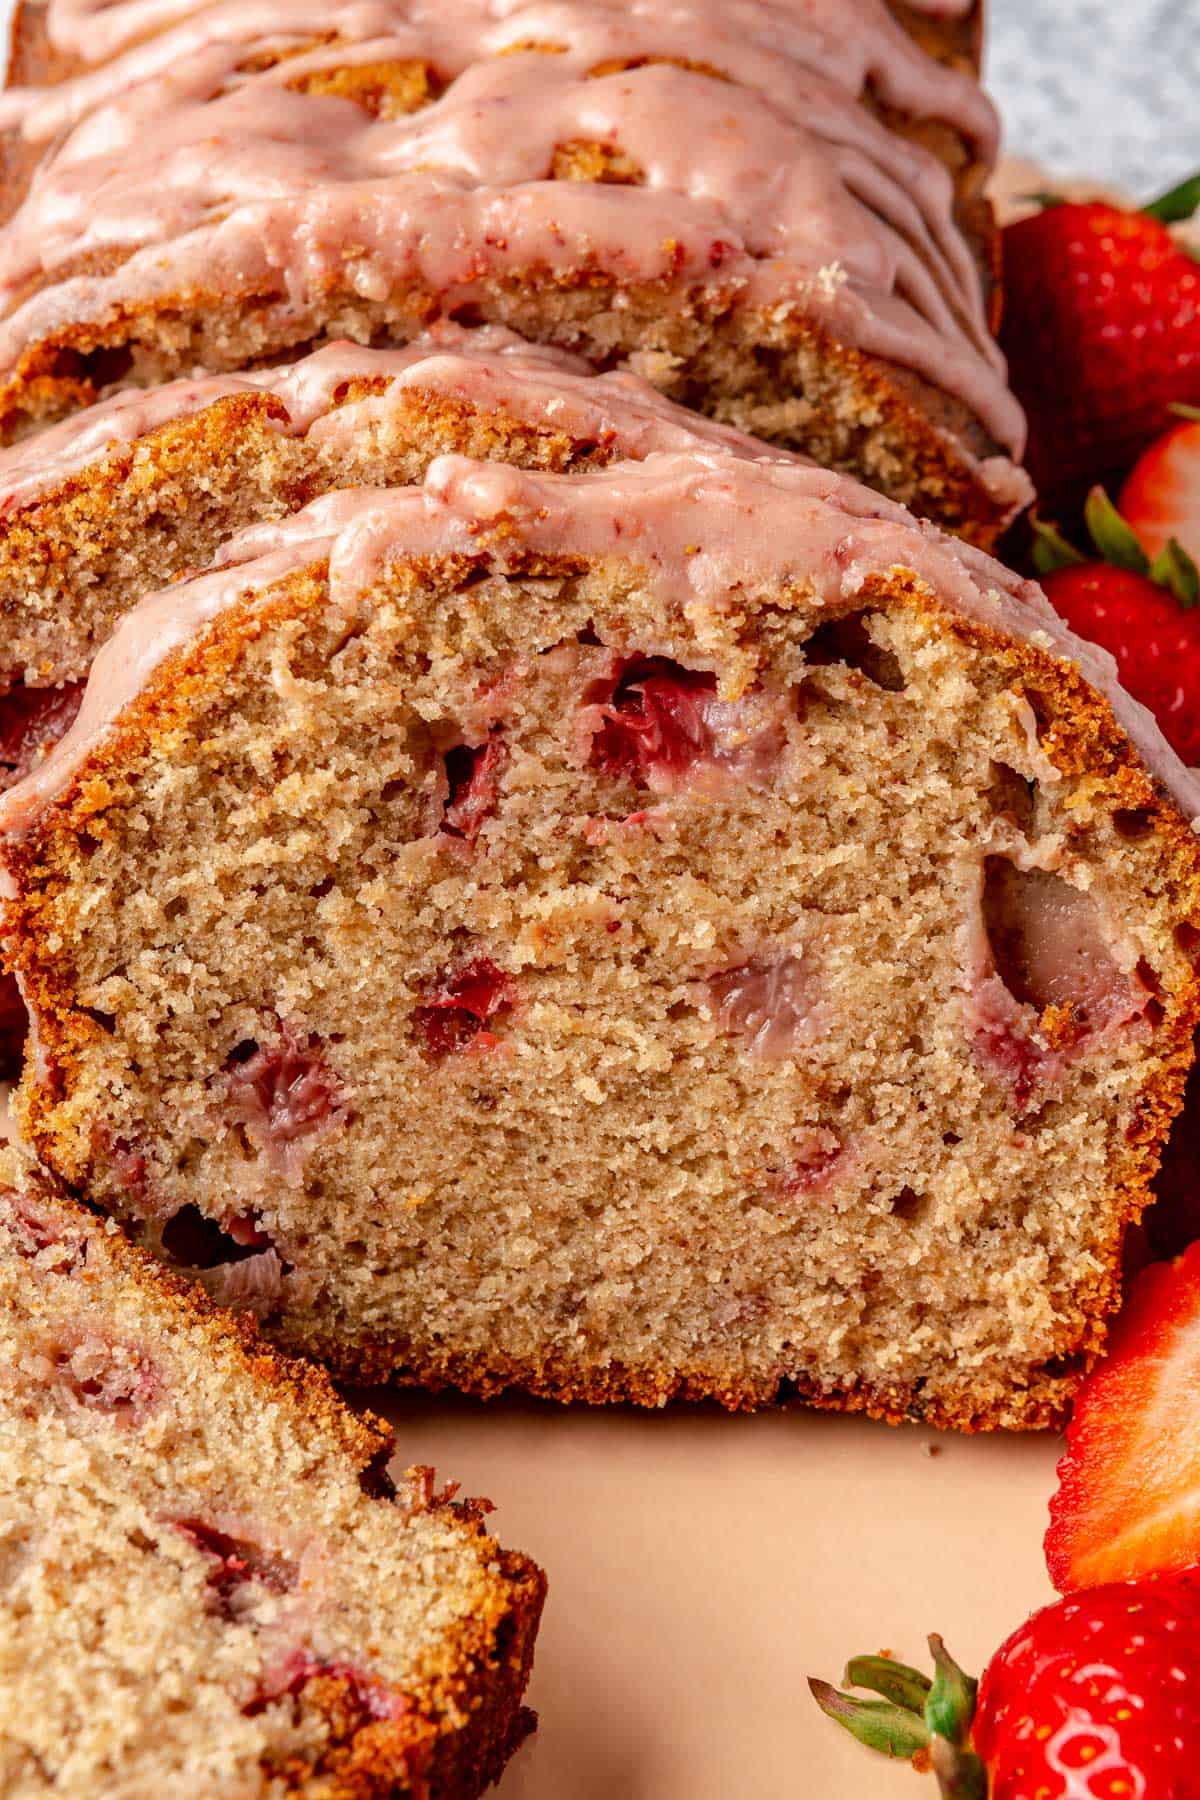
(680, 928)
(211, 1588)
(775, 214)
(104, 507)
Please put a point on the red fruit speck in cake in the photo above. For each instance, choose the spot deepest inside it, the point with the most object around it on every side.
(473, 776)
(658, 725)
(286, 1096)
(457, 1005)
(33, 1234)
(31, 720)
(815, 1159)
(371, 1698)
(105, 1376)
(237, 1561)
(773, 1006)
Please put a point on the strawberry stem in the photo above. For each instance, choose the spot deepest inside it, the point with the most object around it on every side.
(1178, 203)
(1051, 550)
(1174, 569)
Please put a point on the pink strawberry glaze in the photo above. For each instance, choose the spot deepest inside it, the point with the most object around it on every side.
(777, 189)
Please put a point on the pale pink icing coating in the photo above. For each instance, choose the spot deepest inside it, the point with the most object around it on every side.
(780, 191)
(855, 43)
(486, 368)
(700, 527)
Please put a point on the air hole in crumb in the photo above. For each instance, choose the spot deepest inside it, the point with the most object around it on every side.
(106, 1021)
(1133, 822)
(910, 1206)
(195, 1241)
(849, 641)
(468, 313)
(392, 791)
(1011, 796)
(322, 888)
(100, 367)
(242, 1052)
(1187, 937)
(1060, 1368)
(176, 908)
(951, 1138)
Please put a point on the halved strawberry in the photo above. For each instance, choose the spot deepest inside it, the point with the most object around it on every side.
(1128, 1499)
(1161, 498)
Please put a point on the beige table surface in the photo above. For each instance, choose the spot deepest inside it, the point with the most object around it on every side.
(701, 1566)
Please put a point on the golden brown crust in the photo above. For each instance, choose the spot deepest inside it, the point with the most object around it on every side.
(1079, 733)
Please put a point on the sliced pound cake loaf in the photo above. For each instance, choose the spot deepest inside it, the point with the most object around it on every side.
(681, 928)
(210, 1586)
(773, 211)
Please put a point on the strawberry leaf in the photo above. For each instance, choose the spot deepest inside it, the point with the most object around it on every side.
(1051, 550)
(1044, 199)
(1174, 569)
(1177, 204)
(1114, 539)
(894, 1680)
(892, 1730)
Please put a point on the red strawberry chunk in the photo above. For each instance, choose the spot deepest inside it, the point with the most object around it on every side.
(658, 725)
(237, 1560)
(473, 773)
(370, 1697)
(287, 1097)
(458, 1004)
(104, 1376)
(31, 720)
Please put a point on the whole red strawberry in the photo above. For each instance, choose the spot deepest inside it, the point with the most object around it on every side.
(1144, 612)
(1102, 332)
(1093, 1698)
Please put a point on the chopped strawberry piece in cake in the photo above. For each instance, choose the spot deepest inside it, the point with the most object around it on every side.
(458, 1004)
(473, 773)
(774, 1007)
(237, 1561)
(103, 1375)
(660, 725)
(287, 1097)
(816, 1155)
(31, 720)
(369, 1698)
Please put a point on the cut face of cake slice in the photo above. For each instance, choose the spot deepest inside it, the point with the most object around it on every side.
(211, 1587)
(772, 212)
(682, 928)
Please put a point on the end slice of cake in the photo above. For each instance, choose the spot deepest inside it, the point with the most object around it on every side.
(678, 928)
(210, 1586)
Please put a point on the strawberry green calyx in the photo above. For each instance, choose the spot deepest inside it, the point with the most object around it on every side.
(917, 1720)
(1177, 204)
(1115, 542)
